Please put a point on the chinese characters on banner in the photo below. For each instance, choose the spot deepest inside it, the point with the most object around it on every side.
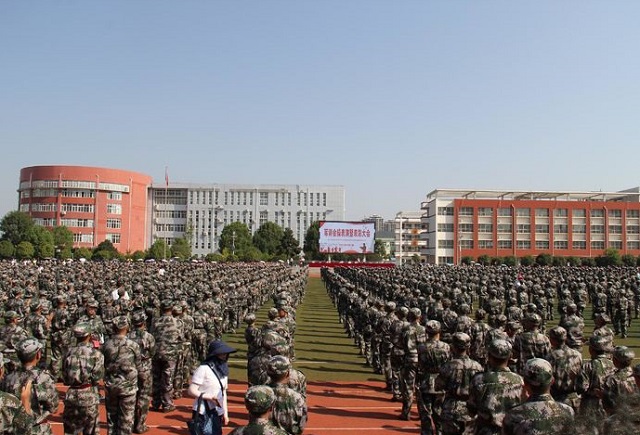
(347, 237)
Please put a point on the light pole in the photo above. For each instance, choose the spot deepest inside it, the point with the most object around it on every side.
(233, 243)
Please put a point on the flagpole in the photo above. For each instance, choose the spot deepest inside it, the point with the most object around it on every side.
(166, 203)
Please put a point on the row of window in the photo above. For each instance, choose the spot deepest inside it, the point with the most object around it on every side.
(69, 208)
(246, 197)
(539, 212)
(539, 229)
(539, 244)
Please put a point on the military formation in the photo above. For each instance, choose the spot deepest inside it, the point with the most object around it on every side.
(129, 332)
(513, 365)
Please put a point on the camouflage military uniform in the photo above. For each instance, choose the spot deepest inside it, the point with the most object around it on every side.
(621, 383)
(567, 369)
(122, 361)
(431, 356)
(531, 343)
(289, 410)
(259, 401)
(61, 338)
(166, 331)
(10, 335)
(44, 396)
(414, 335)
(14, 420)
(539, 414)
(147, 345)
(82, 370)
(594, 373)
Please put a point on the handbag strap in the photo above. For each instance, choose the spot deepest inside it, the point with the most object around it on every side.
(212, 367)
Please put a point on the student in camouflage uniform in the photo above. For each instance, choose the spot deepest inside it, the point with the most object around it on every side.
(10, 335)
(432, 355)
(99, 332)
(147, 345)
(592, 378)
(166, 331)
(60, 335)
(620, 383)
(15, 418)
(455, 379)
(567, 369)
(531, 343)
(414, 335)
(495, 391)
(37, 326)
(259, 402)
(82, 371)
(181, 360)
(122, 361)
(290, 407)
(540, 414)
(43, 395)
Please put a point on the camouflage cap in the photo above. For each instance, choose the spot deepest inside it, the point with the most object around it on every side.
(623, 354)
(600, 343)
(278, 365)
(499, 348)
(259, 399)
(250, 318)
(416, 312)
(432, 327)
(92, 303)
(603, 317)
(532, 318)
(167, 304)
(138, 317)
(460, 340)
(391, 306)
(27, 348)
(10, 315)
(82, 329)
(538, 372)
(272, 313)
(121, 322)
(558, 334)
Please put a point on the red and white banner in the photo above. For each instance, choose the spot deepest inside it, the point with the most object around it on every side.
(347, 237)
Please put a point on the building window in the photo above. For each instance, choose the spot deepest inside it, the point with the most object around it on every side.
(597, 213)
(445, 228)
(561, 212)
(504, 211)
(580, 229)
(524, 228)
(505, 228)
(542, 229)
(445, 211)
(465, 228)
(505, 244)
(597, 244)
(264, 198)
(114, 223)
(466, 244)
(542, 244)
(561, 229)
(542, 212)
(114, 209)
(485, 244)
(615, 229)
(597, 229)
(523, 212)
(615, 244)
(633, 229)
(485, 211)
(113, 237)
(78, 223)
(560, 244)
(445, 244)
(264, 217)
(615, 213)
(524, 244)
(82, 238)
(633, 214)
(633, 244)
(579, 244)
(466, 211)
(579, 213)
(114, 196)
(485, 228)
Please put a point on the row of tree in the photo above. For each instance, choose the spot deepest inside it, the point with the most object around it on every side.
(610, 257)
(23, 239)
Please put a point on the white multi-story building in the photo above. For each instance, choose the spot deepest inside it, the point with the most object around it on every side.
(203, 210)
(408, 243)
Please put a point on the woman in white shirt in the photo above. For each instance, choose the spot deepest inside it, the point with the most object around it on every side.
(211, 380)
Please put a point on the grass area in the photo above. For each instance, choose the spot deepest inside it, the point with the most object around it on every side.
(323, 350)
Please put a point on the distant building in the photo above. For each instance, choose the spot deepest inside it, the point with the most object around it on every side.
(459, 223)
(125, 207)
(408, 241)
(377, 220)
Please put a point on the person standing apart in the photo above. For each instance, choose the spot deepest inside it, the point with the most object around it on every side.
(211, 380)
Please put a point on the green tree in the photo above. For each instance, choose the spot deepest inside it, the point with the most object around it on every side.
(610, 257)
(138, 255)
(484, 259)
(573, 261)
(25, 250)
(466, 260)
(62, 238)
(46, 250)
(158, 250)
(7, 250)
(85, 253)
(588, 261)
(289, 245)
(15, 226)
(629, 260)
(559, 261)
(105, 251)
(311, 244)
(510, 261)
(42, 240)
(544, 259)
(235, 237)
(527, 260)
(251, 254)
(380, 248)
(181, 248)
(268, 238)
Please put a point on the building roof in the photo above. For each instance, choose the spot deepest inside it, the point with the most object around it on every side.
(560, 195)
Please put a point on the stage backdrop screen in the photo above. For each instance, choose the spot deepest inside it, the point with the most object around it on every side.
(346, 237)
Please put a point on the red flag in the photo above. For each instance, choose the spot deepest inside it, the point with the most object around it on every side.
(166, 175)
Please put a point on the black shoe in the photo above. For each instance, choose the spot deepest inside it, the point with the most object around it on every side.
(142, 429)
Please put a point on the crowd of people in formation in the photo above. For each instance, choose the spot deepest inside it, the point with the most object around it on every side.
(139, 331)
(490, 350)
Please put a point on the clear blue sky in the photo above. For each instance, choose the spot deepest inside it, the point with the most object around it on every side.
(391, 99)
